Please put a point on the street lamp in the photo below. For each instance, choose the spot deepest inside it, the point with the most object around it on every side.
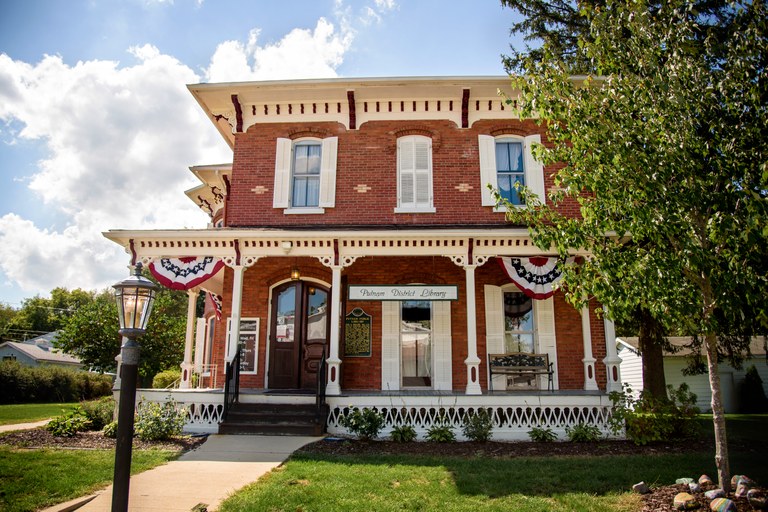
(135, 296)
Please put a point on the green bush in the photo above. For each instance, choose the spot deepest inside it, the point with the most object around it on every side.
(751, 393)
(478, 425)
(110, 430)
(365, 424)
(583, 433)
(647, 419)
(100, 412)
(441, 434)
(158, 421)
(69, 424)
(166, 379)
(542, 435)
(40, 384)
(403, 434)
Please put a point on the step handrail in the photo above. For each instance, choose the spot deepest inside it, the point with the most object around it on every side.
(322, 371)
(231, 383)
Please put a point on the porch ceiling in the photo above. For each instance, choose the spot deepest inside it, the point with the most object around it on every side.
(235, 245)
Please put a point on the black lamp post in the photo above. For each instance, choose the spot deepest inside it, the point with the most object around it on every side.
(135, 296)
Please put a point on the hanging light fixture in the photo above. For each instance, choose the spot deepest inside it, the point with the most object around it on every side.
(295, 274)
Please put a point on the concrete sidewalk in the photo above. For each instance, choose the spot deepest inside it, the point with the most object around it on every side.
(23, 426)
(207, 475)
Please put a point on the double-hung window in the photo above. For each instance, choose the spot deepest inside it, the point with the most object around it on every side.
(305, 175)
(506, 161)
(414, 175)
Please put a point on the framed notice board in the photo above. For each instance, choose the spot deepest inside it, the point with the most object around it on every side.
(357, 334)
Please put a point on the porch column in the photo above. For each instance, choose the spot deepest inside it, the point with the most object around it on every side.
(237, 302)
(186, 365)
(612, 360)
(589, 362)
(470, 263)
(333, 386)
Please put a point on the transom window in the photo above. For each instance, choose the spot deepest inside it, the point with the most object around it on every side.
(510, 169)
(518, 323)
(305, 186)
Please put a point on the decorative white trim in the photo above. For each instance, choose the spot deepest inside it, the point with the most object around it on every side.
(304, 211)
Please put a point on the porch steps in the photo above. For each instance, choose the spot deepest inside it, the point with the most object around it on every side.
(275, 419)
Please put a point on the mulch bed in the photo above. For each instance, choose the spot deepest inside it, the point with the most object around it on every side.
(41, 438)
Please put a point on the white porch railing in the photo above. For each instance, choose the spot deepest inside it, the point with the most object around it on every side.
(204, 407)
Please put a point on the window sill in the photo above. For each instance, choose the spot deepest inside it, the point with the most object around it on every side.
(415, 210)
(303, 211)
(502, 209)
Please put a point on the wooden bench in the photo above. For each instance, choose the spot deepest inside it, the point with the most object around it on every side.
(521, 364)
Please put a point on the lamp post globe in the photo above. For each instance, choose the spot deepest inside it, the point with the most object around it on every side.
(135, 296)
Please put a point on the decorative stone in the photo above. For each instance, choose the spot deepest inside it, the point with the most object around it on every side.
(685, 481)
(722, 505)
(694, 487)
(705, 480)
(757, 499)
(741, 490)
(714, 493)
(684, 501)
(641, 488)
(735, 480)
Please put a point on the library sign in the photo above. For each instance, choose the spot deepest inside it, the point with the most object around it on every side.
(403, 292)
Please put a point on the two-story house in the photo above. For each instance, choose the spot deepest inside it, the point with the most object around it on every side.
(354, 234)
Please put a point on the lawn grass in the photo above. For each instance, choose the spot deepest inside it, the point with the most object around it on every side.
(33, 479)
(27, 413)
(527, 484)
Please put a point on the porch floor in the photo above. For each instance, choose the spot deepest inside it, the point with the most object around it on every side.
(427, 392)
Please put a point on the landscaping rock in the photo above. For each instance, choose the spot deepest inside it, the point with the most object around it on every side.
(694, 487)
(757, 499)
(735, 480)
(705, 480)
(715, 493)
(684, 501)
(722, 505)
(684, 481)
(641, 488)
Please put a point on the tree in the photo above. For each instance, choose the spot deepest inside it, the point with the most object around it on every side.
(91, 334)
(664, 155)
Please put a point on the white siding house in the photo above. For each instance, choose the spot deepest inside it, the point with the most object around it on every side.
(730, 378)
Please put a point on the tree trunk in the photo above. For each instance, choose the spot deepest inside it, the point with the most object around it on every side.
(650, 343)
(718, 416)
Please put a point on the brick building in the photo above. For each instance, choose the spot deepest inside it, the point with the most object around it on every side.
(354, 234)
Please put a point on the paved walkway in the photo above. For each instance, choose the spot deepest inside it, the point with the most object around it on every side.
(207, 475)
(23, 426)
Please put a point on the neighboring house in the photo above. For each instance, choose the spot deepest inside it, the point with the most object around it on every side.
(674, 363)
(354, 229)
(38, 351)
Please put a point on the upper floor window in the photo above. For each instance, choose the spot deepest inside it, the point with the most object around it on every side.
(505, 161)
(414, 174)
(305, 175)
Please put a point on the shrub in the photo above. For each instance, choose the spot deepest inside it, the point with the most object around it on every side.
(69, 424)
(441, 434)
(478, 425)
(751, 394)
(647, 419)
(100, 412)
(166, 379)
(583, 433)
(365, 424)
(542, 435)
(110, 430)
(25, 384)
(158, 421)
(403, 434)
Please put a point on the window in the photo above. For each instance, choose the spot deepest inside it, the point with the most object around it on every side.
(518, 323)
(507, 160)
(416, 343)
(305, 175)
(414, 174)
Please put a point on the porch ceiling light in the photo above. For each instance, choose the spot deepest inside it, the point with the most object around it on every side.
(295, 274)
(135, 296)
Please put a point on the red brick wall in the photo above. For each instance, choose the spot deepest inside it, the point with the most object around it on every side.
(368, 156)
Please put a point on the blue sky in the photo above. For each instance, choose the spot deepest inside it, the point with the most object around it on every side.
(94, 109)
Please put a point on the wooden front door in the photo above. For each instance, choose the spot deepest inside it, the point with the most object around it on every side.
(298, 334)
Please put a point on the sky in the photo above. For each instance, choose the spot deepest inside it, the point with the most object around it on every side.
(98, 130)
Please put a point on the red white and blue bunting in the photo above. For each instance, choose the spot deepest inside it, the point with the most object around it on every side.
(218, 303)
(536, 277)
(185, 273)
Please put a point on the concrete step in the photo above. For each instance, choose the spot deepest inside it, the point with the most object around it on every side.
(274, 419)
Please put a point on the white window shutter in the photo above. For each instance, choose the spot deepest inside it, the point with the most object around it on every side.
(423, 177)
(487, 149)
(544, 322)
(329, 152)
(281, 197)
(534, 170)
(441, 346)
(494, 329)
(390, 345)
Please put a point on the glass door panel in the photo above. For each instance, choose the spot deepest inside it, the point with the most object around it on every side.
(416, 343)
